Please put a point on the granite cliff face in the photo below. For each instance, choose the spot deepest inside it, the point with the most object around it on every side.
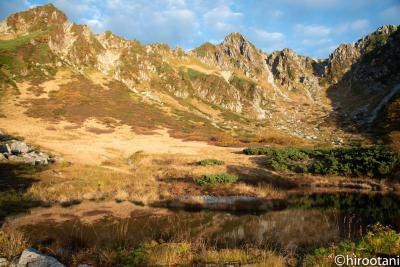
(287, 91)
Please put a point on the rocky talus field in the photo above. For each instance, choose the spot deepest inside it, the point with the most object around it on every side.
(94, 126)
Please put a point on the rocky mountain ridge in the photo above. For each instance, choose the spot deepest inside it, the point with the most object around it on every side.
(288, 91)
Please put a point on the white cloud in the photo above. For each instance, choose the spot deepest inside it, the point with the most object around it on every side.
(265, 36)
(222, 19)
(391, 15)
(94, 24)
(360, 25)
(319, 42)
(276, 13)
(315, 3)
(312, 30)
(266, 40)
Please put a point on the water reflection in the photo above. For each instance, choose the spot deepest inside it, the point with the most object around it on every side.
(309, 221)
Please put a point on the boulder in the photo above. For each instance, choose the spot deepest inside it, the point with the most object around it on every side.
(5, 148)
(4, 262)
(18, 147)
(2, 157)
(34, 158)
(34, 258)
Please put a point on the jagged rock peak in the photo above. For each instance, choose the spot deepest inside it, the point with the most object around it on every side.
(387, 29)
(237, 40)
(37, 18)
(48, 11)
(234, 36)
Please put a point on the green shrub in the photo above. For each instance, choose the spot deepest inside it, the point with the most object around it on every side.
(243, 84)
(380, 240)
(376, 161)
(193, 74)
(206, 162)
(214, 179)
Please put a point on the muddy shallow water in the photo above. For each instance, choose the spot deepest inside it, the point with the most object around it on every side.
(306, 222)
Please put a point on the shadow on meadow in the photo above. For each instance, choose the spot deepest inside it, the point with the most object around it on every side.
(15, 180)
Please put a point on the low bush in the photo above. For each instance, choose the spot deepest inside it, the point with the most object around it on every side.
(214, 179)
(207, 162)
(380, 240)
(376, 161)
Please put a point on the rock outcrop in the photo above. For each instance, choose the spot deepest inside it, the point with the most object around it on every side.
(15, 151)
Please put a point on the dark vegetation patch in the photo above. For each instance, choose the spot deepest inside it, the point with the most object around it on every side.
(99, 131)
(215, 179)
(246, 86)
(207, 162)
(376, 161)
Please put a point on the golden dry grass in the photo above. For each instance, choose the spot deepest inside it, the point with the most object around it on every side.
(142, 178)
(12, 243)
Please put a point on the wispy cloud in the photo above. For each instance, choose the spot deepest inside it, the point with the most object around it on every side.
(391, 15)
(359, 25)
(312, 30)
(276, 13)
(222, 19)
(266, 40)
(315, 3)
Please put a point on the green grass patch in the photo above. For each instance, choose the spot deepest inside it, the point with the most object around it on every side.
(379, 241)
(242, 83)
(214, 179)
(20, 40)
(204, 49)
(193, 74)
(208, 162)
(376, 161)
(375, 41)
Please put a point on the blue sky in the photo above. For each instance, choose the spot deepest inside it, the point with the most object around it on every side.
(310, 27)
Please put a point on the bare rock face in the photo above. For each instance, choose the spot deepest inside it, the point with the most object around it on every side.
(365, 75)
(35, 19)
(294, 72)
(244, 79)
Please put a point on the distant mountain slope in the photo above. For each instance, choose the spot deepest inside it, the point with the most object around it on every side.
(234, 87)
